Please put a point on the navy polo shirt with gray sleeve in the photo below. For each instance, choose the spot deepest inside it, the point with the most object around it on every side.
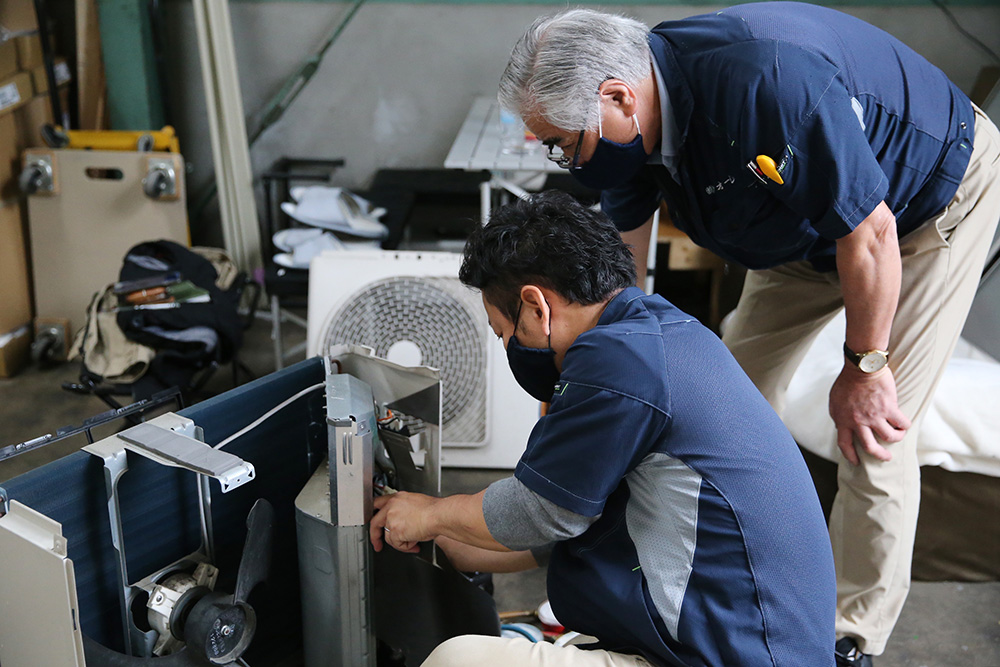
(850, 115)
(709, 545)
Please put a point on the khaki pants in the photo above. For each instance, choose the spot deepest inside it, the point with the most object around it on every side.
(502, 652)
(780, 313)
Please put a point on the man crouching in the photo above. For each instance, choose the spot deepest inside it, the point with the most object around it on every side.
(676, 514)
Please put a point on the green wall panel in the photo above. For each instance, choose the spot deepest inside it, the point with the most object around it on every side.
(134, 98)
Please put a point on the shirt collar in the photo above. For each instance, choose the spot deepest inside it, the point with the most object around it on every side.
(669, 136)
(618, 306)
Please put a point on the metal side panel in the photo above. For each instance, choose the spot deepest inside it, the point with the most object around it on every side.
(350, 417)
(336, 582)
(38, 606)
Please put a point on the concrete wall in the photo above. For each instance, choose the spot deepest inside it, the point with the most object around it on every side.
(393, 91)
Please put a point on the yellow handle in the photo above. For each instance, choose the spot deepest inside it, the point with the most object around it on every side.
(121, 140)
(767, 166)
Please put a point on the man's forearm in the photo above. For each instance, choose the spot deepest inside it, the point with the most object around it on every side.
(467, 558)
(460, 517)
(869, 266)
(639, 240)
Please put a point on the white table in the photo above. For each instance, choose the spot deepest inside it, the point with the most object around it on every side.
(480, 145)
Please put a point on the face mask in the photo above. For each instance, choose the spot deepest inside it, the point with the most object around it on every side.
(534, 369)
(612, 164)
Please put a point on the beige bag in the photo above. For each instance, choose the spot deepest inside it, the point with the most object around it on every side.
(104, 348)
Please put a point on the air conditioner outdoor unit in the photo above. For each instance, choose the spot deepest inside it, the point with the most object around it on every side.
(410, 307)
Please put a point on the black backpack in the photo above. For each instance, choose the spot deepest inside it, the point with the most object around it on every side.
(160, 328)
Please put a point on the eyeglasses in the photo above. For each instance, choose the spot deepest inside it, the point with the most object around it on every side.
(564, 161)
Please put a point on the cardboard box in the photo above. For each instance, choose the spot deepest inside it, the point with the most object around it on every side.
(15, 92)
(8, 58)
(10, 156)
(15, 290)
(30, 119)
(18, 15)
(15, 351)
(29, 51)
(40, 79)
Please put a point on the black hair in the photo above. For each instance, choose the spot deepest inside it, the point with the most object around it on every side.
(550, 240)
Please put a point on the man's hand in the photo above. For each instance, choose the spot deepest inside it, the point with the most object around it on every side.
(402, 520)
(864, 407)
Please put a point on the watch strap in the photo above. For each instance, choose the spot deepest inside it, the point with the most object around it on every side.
(856, 357)
(851, 355)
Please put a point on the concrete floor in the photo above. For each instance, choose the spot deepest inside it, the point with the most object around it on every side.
(942, 625)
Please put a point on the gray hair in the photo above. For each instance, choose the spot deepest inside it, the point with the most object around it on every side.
(558, 64)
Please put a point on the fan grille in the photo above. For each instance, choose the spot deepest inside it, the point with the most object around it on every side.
(445, 321)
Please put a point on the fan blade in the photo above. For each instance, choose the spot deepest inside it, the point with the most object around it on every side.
(256, 560)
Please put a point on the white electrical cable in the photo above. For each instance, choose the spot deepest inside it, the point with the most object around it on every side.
(257, 422)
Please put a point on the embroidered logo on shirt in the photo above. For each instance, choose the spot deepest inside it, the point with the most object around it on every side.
(721, 185)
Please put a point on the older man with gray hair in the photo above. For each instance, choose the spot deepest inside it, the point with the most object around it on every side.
(843, 170)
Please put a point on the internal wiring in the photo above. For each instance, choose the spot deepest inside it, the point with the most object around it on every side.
(968, 35)
(270, 413)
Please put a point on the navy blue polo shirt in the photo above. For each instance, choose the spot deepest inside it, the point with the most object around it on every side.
(850, 115)
(711, 547)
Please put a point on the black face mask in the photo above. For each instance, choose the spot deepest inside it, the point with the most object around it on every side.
(612, 163)
(534, 369)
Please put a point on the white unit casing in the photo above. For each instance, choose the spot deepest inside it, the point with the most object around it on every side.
(411, 308)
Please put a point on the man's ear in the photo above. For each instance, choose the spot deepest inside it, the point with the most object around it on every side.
(619, 94)
(535, 307)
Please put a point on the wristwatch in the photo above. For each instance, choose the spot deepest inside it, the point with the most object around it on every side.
(870, 361)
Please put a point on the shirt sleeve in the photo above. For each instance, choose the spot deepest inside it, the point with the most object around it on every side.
(579, 452)
(629, 206)
(520, 519)
(799, 112)
(543, 554)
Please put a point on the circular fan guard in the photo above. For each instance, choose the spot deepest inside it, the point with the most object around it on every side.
(445, 320)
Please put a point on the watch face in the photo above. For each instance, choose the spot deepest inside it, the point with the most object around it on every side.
(871, 362)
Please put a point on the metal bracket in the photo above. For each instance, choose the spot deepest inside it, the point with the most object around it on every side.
(167, 447)
(160, 181)
(168, 439)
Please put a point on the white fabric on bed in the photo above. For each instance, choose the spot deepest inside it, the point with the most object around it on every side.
(961, 431)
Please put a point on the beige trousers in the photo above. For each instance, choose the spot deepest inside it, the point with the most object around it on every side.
(503, 652)
(780, 313)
